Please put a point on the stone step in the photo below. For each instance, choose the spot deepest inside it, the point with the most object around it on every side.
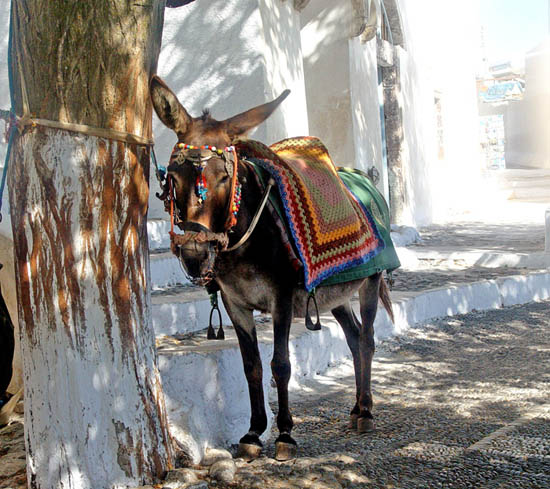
(166, 270)
(158, 231)
(183, 309)
(205, 389)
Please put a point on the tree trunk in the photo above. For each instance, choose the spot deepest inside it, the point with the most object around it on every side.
(94, 409)
(393, 120)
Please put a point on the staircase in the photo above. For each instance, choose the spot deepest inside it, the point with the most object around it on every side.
(523, 185)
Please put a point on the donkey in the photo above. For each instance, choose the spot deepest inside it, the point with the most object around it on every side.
(256, 274)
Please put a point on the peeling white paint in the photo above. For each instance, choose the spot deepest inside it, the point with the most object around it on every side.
(82, 380)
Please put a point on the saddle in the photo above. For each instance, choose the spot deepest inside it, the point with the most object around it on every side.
(333, 232)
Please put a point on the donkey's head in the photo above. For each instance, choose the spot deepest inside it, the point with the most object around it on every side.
(202, 175)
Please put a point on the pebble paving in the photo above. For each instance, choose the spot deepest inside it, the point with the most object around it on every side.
(439, 391)
(463, 402)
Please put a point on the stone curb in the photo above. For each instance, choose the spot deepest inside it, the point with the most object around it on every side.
(488, 259)
(462, 299)
(205, 388)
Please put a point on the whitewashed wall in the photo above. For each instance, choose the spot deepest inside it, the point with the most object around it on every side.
(5, 226)
(325, 38)
(365, 103)
(230, 56)
(442, 49)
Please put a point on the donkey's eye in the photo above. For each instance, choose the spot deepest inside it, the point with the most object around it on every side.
(223, 180)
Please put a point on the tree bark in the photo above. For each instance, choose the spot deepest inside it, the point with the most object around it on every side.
(94, 409)
(393, 120)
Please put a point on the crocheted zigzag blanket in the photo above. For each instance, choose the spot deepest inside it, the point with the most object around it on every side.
(330, 229)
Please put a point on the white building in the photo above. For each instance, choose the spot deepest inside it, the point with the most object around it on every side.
(388, 84)
(399, 95)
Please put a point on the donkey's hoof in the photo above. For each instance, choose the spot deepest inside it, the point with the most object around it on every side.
(365, 425)
(285, 451)
(285, 447)
(353, 421)
(248, 451)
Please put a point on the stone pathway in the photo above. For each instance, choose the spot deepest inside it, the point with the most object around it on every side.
(463, 402)
(503, 237)
(440, 392)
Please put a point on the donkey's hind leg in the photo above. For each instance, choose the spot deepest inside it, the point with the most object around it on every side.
(368, 300)
(351, 326)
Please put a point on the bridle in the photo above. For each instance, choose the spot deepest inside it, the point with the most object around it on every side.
(183, 154)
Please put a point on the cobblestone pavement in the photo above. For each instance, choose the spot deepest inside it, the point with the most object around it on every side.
(510, 238)
(462, 403)
(432, 277)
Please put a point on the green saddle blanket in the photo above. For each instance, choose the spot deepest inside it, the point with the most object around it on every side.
(374, 203)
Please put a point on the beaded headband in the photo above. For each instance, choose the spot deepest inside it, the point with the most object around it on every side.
(201, 188)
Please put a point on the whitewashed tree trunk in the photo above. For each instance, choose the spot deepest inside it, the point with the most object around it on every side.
(94, 408)
(94, 412)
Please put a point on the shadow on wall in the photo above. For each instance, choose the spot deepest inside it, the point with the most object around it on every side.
(324, 32)
(214, 55)
(229, 56)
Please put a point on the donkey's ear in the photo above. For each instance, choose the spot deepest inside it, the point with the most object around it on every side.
(168, 107)
(240, 124)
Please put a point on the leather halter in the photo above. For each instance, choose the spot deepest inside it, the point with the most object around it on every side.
(195, 232)
(185, 153)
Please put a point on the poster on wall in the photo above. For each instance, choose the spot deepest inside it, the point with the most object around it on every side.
(493, 141)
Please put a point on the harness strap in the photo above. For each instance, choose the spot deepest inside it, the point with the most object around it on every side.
(255, 219)
(232, 218)
(199, 237)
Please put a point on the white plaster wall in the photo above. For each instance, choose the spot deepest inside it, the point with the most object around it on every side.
(5, 226)
(419, 142)
(367, 131)
(283, 69)
(441, 54)
(326, 52)
(229, 56)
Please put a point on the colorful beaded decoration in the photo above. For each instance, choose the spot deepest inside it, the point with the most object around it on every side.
(236, 201)
(206, 146)
(201, 187)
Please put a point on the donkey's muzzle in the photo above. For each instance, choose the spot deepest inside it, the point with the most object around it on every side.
(197, 248)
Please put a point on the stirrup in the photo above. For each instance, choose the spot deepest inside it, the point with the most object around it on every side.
(211, 335)
(309, 322)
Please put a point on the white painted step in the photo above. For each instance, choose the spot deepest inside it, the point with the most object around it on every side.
(166, 270)
(205, 389)
(182, 310)
(158, 231)
(204, 385)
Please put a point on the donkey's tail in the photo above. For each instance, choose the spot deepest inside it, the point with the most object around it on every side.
(384, 296)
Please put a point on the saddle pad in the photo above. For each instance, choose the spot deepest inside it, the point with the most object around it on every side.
(331, 231)
(374, 204)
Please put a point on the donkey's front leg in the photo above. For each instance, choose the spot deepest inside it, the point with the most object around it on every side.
(285, 446)
(250, 445)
